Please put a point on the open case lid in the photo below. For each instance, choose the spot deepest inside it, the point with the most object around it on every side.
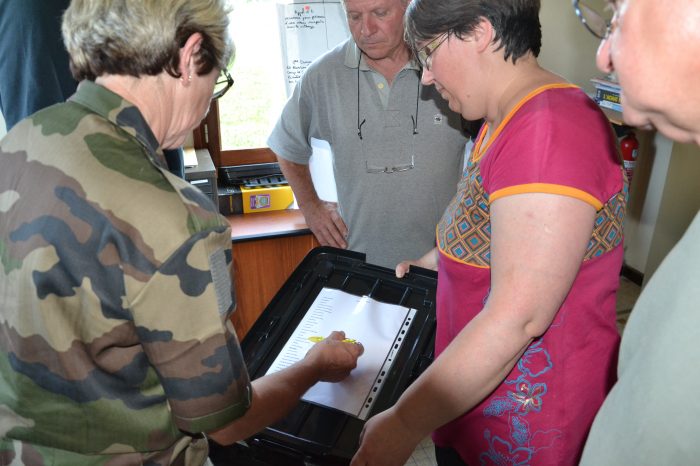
(315, 434)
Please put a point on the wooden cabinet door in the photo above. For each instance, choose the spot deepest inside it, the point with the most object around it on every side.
(261, 267)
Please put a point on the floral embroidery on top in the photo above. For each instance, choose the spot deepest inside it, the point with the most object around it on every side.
(527, 397)
(535, 361)
(502, 453)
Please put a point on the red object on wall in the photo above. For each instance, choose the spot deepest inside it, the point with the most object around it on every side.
(629, 146)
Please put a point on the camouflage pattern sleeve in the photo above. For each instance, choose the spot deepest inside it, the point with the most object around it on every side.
(200, 368)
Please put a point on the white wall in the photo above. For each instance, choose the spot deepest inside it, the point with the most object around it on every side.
(568, 49)
(2, 126)
(646, 193)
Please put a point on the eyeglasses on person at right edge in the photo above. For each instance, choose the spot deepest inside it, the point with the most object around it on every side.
(599, 23)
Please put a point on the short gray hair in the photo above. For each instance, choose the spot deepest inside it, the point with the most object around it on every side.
(405, 2)
(143, 37)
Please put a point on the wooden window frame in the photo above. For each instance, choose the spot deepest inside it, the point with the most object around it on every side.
(208, 136)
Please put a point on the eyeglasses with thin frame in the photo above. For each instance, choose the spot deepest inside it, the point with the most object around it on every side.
(223, 84)
(424, 53)
(598, 23)
(392, 169)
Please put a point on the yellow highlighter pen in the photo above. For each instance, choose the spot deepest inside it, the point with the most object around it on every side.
(317, 339)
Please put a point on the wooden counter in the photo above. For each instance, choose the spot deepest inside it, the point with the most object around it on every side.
(267, 247)
(264, 225)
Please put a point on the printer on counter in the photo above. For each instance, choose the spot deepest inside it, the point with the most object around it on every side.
(253, 188)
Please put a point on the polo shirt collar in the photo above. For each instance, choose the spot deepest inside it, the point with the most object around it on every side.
(352, 57)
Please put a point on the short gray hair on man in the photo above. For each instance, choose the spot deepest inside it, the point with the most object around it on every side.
(143, 37)
(405, 3)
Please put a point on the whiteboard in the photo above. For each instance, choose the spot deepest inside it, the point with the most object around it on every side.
(307, 31)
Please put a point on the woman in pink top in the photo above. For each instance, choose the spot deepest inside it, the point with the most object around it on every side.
(528, 252)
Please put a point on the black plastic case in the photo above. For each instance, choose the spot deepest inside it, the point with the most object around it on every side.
(311, 434)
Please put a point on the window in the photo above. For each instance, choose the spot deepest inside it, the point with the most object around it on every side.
(248, 112)
(275, 40)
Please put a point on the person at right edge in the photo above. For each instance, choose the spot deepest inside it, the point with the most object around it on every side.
(651, 416)
(528, 258)
(398, 151)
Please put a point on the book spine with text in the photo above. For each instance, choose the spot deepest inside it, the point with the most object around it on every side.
(611, 105)
(603, 95)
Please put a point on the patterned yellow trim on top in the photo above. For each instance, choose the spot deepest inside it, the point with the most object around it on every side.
(480, 151)
(547, 188)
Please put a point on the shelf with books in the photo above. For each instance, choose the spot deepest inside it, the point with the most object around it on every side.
(607, 95)
(606, 85)
(602, 95)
